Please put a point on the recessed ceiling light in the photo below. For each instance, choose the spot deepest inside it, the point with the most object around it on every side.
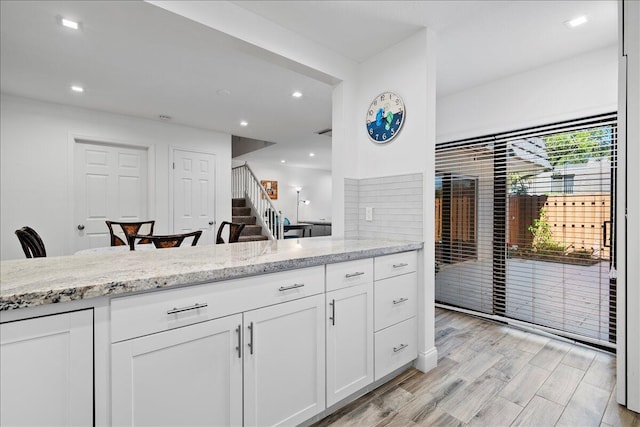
(78, 89)
(576, 22)
(283, 161)
(69, 23)
(223, 92)
(297, 94)
(312, 154)
(244, 123)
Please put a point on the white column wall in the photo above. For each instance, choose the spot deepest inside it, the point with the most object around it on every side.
(629, 232)
(37, 166)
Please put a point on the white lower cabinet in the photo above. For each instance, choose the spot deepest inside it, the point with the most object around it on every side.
(284, 362)
(186, 376)
(46, 366)
(349, 314)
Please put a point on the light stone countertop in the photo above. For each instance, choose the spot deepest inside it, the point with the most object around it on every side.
(33, 282)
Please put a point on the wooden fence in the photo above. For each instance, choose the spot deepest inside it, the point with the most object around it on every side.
(577, 221)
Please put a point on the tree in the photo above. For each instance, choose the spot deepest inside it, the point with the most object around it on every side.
(577, 147)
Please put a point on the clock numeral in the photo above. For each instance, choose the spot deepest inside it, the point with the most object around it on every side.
(397, 101)
(384, 136)
(375, 102)
(377, 136)
(382, 97)
(393, 131)
(371, 112)
(370, 131)
(398, 122)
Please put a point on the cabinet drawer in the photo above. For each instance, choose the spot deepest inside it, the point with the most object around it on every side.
(395, 264)
(144, 314)
(395, 346)
(396, 299)
(350, 273)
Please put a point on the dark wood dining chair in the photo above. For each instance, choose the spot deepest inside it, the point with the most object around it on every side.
(31, 243)
(167, 240)
(234, 232)
(129, 229)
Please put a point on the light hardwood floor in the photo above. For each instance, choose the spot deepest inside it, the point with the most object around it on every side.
(489, 374)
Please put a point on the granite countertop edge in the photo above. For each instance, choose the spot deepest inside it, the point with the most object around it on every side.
(31, 296)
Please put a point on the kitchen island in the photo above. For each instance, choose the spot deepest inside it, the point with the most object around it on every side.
(256, 333)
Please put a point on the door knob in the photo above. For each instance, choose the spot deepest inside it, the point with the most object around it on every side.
(210, 222)
(80, 227)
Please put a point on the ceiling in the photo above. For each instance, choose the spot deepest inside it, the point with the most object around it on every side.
(137, 59)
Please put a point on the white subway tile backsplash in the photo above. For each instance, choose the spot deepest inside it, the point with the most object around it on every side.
(397, 203)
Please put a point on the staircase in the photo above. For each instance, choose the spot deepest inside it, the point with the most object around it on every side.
(241, 213)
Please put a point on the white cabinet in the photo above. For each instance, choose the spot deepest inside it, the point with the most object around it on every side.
(349, 314)
(46, 366)
(396, 310)
(185, 376)
(284, 360)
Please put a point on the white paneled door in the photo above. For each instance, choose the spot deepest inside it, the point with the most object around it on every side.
(194, 193)
(110, 184)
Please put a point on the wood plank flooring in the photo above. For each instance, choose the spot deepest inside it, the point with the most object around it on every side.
(489, 374)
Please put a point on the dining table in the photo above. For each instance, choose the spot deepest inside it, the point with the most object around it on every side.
(303, 227)
(115, 249)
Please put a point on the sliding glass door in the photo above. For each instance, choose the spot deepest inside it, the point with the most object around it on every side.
(524, 225)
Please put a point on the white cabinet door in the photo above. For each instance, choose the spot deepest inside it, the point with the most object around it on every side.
(349, 341)
(187, 376)
(284, 362)
(46, 366)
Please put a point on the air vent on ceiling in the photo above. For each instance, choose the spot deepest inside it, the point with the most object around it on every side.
(326, 132)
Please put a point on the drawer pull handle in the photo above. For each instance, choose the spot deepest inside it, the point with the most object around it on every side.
(195, 306)
(357, 273)
(400, 347)
(402, 264)
(294, 286)
(239, 347)
(398, 301)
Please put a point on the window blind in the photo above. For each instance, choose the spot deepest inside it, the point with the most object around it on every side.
(524, 223)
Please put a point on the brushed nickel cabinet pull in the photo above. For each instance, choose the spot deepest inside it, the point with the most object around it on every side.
(402, 264)
(195, 306)
(239, 347)
(251, 347)
(294, 286)
(357, 273)
(333, 312)
(400, 347)
(398, 301)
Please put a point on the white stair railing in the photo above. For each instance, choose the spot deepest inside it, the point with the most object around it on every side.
(244, 184)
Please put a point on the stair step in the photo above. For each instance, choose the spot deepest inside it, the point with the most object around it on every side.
(244, 211)
(251, 230)
(252, 238)
(249, 220)
(238, 203)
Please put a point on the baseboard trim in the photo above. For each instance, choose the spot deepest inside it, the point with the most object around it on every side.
(427, 360)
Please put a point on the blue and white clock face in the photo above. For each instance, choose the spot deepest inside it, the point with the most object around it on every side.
(385, 117)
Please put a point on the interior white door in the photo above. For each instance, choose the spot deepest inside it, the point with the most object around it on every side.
(194, 193)
(110, 184)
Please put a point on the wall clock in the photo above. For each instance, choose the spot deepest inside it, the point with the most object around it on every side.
(385, 117)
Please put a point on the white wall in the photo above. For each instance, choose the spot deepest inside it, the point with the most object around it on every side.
(315, 184)
(36, 166)
(577, 87)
